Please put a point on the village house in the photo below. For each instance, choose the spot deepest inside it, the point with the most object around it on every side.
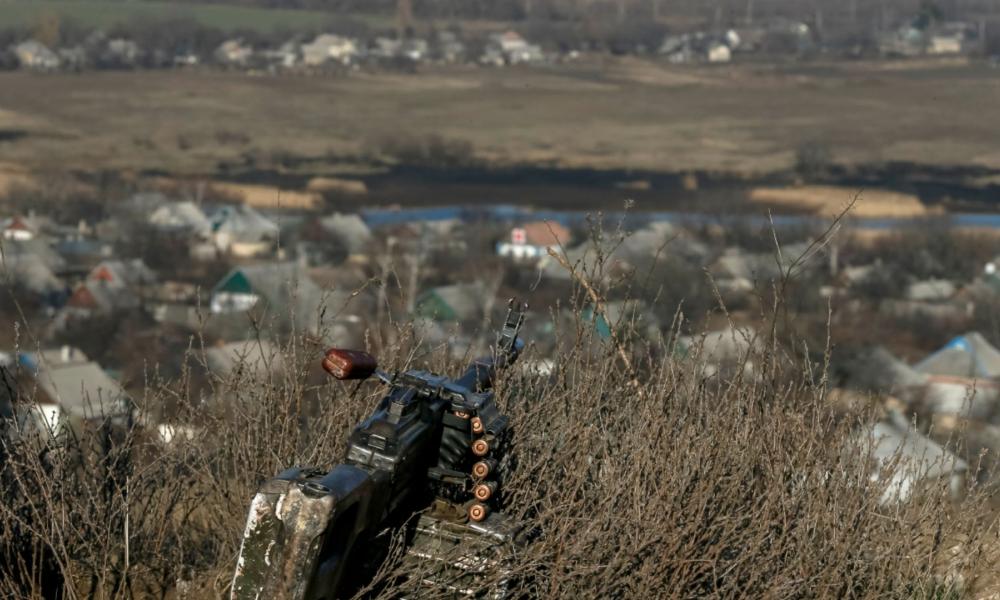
(450, 48)
(34, 275)
(34, 55)
(285, 56)
(234, 53)
(253, 360)
(532, 241)
(905, 460)
(180, 217)
(724, 351)
(117, 273)
(243, 232)
(351, 231)
(97, 298)
(121, 53)
(510, 48)
(968, 356)
(330, 48)
(20, 229)
(699, 47)
(459, 302)
(65, 388)
(623, 316)
(415, 49)
(286, 296)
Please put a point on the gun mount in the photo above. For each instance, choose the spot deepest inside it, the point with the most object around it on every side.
(435, 447)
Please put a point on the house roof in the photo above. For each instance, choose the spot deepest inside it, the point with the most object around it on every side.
(725, 345)
(243, 223)
(879, 370)
(350, 229)
(914, 456)
(287, 290)
(144, 202)
(102, 296)
(457, 302)
(969, 355)
(123, 272)
(33, 273)
(931, 290)
(738, 264)
(250, 358)
(20, 223)
(546, 233)
(81, 388)
(181, 216)
(37, 248)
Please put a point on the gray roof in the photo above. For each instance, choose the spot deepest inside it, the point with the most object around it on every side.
(932, 290)
(466, 299)
(736, 263)
(351, 230)
(32, 272)
(132, 272)
(82, 389)
(250, 358)
(913, 457)
(180, 216)
(879, 370)
(289, 293)
(969, 355)
(111, 297)
(243, 223)
(38, 248)
(144, 202)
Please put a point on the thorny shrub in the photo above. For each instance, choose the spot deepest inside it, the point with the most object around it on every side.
(644, 479)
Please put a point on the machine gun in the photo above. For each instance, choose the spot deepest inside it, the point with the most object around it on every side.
(434, 447)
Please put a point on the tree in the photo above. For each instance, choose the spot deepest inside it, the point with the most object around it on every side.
(47, 29)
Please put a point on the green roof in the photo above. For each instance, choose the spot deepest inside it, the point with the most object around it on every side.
(236, 283)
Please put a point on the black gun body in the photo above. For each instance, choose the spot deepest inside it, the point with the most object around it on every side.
(324, 522)
(311, 535)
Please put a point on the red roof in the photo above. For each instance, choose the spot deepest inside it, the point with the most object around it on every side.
(546, 233)
(82, 298)
(19, 224)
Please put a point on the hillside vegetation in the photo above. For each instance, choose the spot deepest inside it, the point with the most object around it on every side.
(649, 478)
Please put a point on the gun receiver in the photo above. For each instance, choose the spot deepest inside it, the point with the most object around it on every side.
(434, 446)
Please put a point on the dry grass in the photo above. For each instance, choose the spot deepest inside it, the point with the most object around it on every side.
(601, 113)
(269, 196)
(743, 486)
(829, 201)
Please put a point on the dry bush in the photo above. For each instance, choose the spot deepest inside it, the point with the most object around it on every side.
(679, 485)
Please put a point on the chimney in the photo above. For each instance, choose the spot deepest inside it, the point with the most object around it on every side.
(66, 353)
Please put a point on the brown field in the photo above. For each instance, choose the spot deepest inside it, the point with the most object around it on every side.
(601, 113)
(831, 201)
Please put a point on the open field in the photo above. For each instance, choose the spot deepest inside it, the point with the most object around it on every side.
(108, 13)
(599, 113)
